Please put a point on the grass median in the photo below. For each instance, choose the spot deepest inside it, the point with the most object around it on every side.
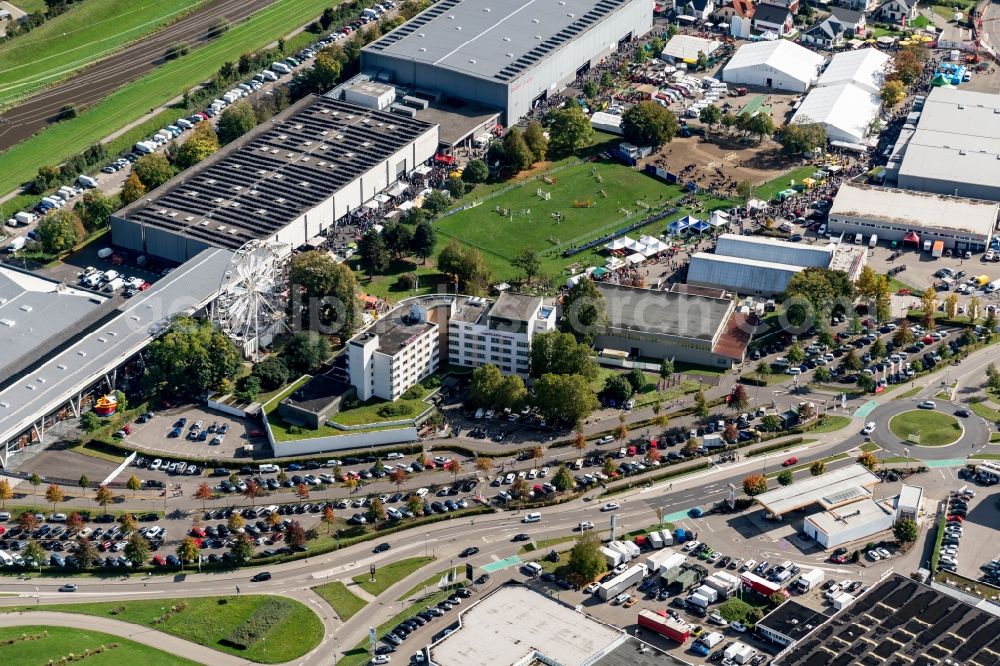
(43, 644)
(169, 80)
(292, 628)
(344, 603)
(390, 574)
(932, 428)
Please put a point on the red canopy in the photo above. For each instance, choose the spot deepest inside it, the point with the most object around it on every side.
(911, 237)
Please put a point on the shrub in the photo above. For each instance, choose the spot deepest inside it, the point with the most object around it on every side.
(256, 627)
(176, 51)
(431, 383)
(394, 409)
(407, 281)
(413, 393)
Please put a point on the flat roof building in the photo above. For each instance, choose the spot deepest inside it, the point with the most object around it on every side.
(777, 64)
(510, 54)
(287, 180)
(898, 215)
(853, 521)
(830, 490)
(789, 622)
(665, 324)
(955, 148)
(900, 621)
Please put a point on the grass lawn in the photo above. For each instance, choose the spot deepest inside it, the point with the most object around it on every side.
(898, 459)
(909, 393)
(85, 33)
(544, 544)
(895, 285)
(648, 394)
(870, 447)
(768, 190)
(83, 449)
(832, 423)
(986, 456)
(367, 412)
(344, 603)
(390, 574)
(994, 437)
(208, 620)
(920, 22)
(948, 13)
(169, 80)
(934, 428)
(47, 645)
(434, 584)
(985, 411)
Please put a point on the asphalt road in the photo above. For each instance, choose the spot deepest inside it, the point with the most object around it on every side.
(106, 76)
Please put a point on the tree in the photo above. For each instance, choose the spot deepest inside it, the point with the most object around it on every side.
(866, 383)
(802, 136)
(83, 482)
(701, 62)
(518, 156)
(450, 259)
(484, 465)
(6, 493)
(415, 506)
(302, 491)
(617, 388)
(621, 430)
(374, 253)
(242, 550)
(351, 484)
(907, 65)
(905, 530)
(475, 171)
(35, 481)
(235, 522)
(129, 523)
(579, 440)
(528, 262)
(731, 433)
(761, 126)
(27, 521)
(35, 554)
(133, 189)
(817, 289)
(786, 478)
(878, 349)
(253, 491)
(585, 309)
(569, 129)
(775, 599)
(96, 209)
(87, 554)
(993, 377)
(892, 93)
(559, 353)
(744, 188)
(519, 489)
(754, 484)
(328, 290)
(738, 400)
(376, 511)
(424, 240)
(868, 459)
(817, 468)
(103, 497)
(710, 116)
(398, 476)
(586, 561)
(133, 484)
(534, 137)
(60, 231)
(74, 523)
(153, 170)
(564, 398)
(455, 467)
(328, 518)
(701, 405)
(188, 550)
(306, 352)
(649, 124)
(591, 89)
(398, 238)
(193, 357)
(295, 535)
(55, 495)
(204, 493)
(690, 446)
(137, 549)
(491, 389)
(563, 479)
(609, 468)
(666, 370)
(763, 370)
(202, 143)
(235, 121)
(975, 308)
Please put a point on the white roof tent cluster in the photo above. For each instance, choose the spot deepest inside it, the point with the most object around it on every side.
(778, 64)
(287, 180)
(846, 97)
(57, 375)
(685, 48)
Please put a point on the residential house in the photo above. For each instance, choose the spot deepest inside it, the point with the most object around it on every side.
(730, 8)
(828, 34)
(790, 5)
(853, 21)
(897, 11)
(699, 9)
(866, 6)
(773, 18)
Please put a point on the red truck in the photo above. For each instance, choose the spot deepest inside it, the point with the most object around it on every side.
(761, 586)
(665, 626)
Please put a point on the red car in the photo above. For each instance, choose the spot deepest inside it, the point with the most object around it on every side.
(159, 561)
(197, 532)
(790, 462)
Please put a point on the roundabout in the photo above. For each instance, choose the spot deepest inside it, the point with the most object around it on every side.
(943, 435)
(925, 427)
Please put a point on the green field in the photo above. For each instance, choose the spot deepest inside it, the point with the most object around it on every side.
(86, 33)
(34, 644)
(532, 225)
(344, 603)
(390, 574)
(832, 423)
(934, 428)
(20, 163)
(207, 621)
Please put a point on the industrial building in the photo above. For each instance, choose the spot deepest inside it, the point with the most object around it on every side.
(79, 348)
(901, 621)
(790, 622)
(516, 625)
(830, 490)
(761, 266)
(846, 98)
(508, 54)
(912, 217)
(287, 181)
(407, 344)
(691, 328)
(859, 519)
(778, 64)
(955, 146)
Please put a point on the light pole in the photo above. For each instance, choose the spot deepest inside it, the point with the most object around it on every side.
(906, 455)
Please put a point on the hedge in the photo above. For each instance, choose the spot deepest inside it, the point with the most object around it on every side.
(774, 447)
(256, 627)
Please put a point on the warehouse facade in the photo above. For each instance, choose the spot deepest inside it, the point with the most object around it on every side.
(913, 217)
(286, 181)
(509, 54)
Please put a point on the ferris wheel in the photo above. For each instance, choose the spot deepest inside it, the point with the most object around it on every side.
(249, 308)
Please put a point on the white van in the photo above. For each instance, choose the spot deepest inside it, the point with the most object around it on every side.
(6, 559)
(421, 492)
(281, 68)
(86, 181)
(268, 468)
(532, 568)
(858, 239)
(533, 517)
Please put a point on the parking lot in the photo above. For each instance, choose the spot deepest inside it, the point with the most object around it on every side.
(155, 435)
(976, 544)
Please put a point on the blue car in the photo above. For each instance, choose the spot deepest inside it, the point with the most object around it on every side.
(695, 512)
(176, 432)
(699, 649)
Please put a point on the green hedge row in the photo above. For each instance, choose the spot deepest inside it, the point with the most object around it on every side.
(774, 447)
(256, 627)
